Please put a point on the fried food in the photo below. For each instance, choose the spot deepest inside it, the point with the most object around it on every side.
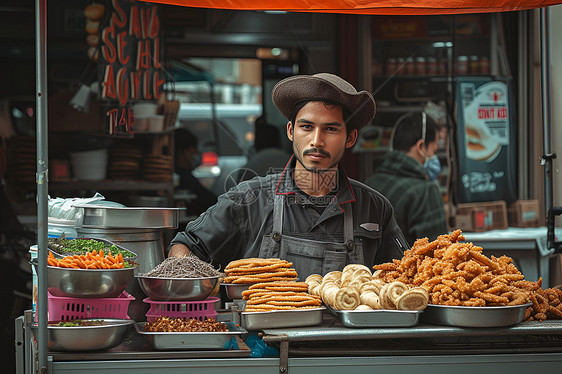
(258, 270)
(268, 296)
(169, 324)
(458, 273)
(546, 304)
(347, 298)
(363, 289)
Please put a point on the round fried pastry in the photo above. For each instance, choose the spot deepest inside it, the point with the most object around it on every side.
(347, 298)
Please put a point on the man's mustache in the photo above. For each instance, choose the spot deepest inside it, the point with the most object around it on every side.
(317, 151)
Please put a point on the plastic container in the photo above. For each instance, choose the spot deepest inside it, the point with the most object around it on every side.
(71, 308)
(89, 165)
(57, 227)
(33, 251)
(200, 310)
(145, 109)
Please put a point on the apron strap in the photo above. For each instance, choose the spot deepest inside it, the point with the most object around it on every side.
(348, 227)
(277, 217)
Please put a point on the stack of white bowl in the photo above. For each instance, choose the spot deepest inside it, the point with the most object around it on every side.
(89, 165)
(144, 113)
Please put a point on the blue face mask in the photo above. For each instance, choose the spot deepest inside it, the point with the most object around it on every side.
(432, 166)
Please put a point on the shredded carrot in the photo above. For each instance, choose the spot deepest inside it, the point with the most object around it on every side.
(91, 260)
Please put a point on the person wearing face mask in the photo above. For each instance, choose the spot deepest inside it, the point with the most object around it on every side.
(310, 213)
(406, 177)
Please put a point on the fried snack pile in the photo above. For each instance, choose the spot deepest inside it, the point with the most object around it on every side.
(258, 270)
(547, 304)
(457, 273)
(268, 296)
(355, 288)
(168, 324)
(91, 260)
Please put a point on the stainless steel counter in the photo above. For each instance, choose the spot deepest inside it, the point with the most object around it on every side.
(333, 348)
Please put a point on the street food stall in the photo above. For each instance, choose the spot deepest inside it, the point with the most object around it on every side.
(328, 340)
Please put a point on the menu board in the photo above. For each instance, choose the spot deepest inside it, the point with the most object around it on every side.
(130, 64)
(486, 136)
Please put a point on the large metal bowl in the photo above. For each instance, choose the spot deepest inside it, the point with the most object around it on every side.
(177, 289)
(88, 283)
(87, 338)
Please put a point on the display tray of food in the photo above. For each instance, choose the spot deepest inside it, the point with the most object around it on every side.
(62, 247)
(179, 333)
(377, 318)
(275, 319)
(466, 316)
(87, 334)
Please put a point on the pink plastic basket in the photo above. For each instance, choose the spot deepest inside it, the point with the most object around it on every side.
(200, 310)
(71, 308)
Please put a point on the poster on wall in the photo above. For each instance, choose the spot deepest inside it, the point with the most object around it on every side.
(130, 62)
(487, 144)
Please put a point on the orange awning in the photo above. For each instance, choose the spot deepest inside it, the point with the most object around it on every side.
(383, 7)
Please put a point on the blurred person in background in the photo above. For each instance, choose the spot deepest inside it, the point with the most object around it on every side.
(186, 153)
(406, 177)
(269, 158)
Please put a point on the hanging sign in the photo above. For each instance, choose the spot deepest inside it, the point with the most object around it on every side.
(487, 160)
(130, 64)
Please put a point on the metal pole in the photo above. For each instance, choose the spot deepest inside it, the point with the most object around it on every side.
(41, 177)
(548, 156)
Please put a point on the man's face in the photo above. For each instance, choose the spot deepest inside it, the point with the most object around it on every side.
(319, 136)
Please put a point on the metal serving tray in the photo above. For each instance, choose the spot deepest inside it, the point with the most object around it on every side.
(192, 340)
(282, 318)
(377, 318)
(234, 291)
(124, 217)
(464, 316)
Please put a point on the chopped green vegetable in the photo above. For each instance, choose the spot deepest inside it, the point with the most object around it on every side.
(67, 247)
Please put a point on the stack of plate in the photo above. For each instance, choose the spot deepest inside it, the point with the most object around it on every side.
(157, 168)
(23, 159)
(125, 161)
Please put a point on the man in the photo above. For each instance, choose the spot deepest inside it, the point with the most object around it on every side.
(310, 214)
(185, 144)
(402, 178)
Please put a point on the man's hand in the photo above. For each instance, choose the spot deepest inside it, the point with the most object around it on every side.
(178, 250)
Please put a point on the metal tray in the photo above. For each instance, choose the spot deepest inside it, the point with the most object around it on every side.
(282, 318)
(124, 217)
(377, 318)
(464, 316)
(192, 340)
(234, 291)
(107, 242)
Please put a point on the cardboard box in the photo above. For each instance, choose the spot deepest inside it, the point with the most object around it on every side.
(482, 216)
(523, 213)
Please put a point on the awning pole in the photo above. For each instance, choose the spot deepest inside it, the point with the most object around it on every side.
(548, 156)
(41, 178)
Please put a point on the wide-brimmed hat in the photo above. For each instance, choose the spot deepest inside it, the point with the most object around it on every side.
(324, 87)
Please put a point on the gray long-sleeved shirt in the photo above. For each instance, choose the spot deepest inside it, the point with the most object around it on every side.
(234, 227)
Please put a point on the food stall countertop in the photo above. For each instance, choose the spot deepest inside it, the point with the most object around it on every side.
(327, 331)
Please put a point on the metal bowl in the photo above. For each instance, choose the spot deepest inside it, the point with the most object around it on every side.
(465, 316)
(177, 289)
(87, 338)
(88, 283)
(234, 291)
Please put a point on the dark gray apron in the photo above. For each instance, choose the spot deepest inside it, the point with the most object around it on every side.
(311, 256)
